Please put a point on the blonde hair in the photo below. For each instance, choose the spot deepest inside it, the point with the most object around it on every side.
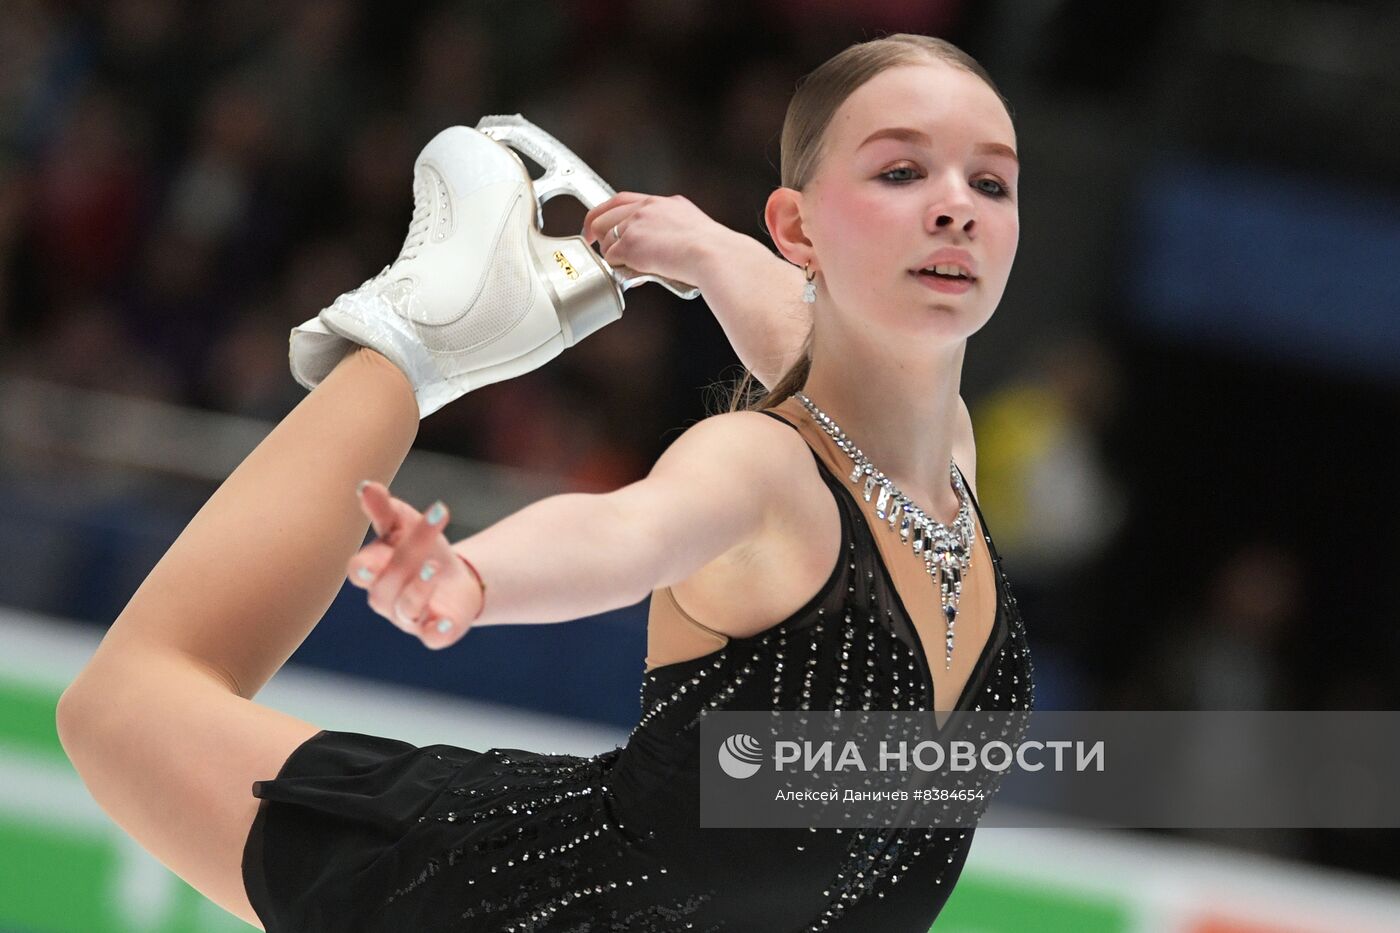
(813, 104)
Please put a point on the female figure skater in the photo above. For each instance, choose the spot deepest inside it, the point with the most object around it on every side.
(778, 581)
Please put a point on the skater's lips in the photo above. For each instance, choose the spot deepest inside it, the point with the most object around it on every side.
(950, 256)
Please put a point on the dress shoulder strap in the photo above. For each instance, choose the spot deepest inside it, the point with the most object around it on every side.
(773, 414)
(823, 468)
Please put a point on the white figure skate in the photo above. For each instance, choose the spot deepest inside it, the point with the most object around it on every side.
(478, 293)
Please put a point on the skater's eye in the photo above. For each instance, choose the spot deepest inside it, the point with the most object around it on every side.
(899, 181)
(999, 191)
(1002, 191)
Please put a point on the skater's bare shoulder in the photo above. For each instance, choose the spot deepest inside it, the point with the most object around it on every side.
(725, 484)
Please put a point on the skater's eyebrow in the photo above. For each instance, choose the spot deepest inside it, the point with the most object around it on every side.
(909, 135)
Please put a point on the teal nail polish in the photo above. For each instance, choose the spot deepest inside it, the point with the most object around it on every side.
(436, 513)
(364, 574)
(444, 626)
(427, 572)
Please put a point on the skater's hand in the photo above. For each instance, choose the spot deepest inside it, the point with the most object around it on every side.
(665, 236)
(393, 570)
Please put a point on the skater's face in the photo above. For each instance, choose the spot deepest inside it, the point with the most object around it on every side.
(918, 159)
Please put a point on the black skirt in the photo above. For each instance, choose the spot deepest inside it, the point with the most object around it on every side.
(339, 806)
(364, 833)
(361, 832)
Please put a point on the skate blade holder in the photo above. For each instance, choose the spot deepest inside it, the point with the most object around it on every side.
(566, 173)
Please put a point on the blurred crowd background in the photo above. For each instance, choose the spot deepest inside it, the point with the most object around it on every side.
(1182, 404)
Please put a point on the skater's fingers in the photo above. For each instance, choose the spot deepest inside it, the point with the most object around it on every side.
(384, 595)
(446, 612)
(615, 222)
(615, 218)
(413, 598)
(615, 254)
(390, 522)
(368, 563)
(370, 570)
(423, 540)
(376, 503)
(590, 220)
(412, 606)
(422, 534)
(407, 518)
(409, 548)
(435, 602)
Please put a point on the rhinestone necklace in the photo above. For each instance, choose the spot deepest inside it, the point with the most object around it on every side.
(944, 549)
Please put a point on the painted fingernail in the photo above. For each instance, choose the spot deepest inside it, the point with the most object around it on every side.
(436, 513)
(444, 625)
(429, 569)
(360, 489)
(364, 574)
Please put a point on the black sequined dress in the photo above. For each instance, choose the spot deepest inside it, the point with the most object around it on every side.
(364, 833)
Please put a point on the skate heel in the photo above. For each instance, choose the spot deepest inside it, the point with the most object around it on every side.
(566, 173)
(582, 288)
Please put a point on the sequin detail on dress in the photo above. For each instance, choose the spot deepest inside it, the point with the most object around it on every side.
(526, 842)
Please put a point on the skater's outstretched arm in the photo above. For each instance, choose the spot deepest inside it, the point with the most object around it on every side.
(719, 486)
(755, 294)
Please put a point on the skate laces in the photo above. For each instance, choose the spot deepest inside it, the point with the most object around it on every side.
(417, 230)
(422, 213)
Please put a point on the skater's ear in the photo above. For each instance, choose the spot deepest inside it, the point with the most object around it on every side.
(783, 215)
